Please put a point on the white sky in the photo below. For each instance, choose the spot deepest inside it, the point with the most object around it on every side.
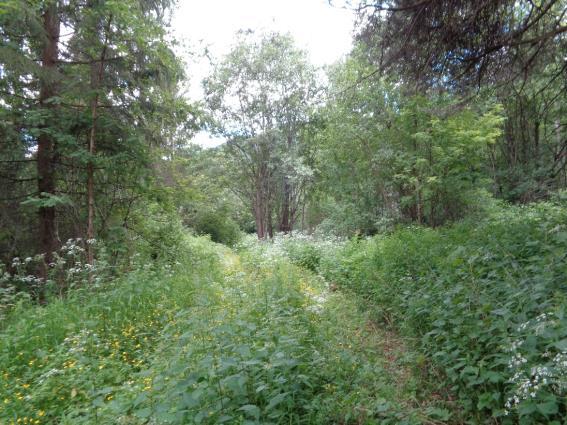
(324, 31)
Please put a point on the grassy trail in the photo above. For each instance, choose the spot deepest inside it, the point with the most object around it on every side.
(233, 339)
(371, 376)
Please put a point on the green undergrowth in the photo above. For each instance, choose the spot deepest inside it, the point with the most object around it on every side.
(484, 301)
(65, 358)
(219, 338)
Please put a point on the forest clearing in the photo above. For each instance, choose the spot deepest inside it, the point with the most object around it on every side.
(301, 212)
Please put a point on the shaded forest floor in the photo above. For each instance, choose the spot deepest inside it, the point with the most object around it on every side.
(227, 338)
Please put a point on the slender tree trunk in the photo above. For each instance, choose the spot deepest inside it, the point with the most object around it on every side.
(260, 230)
(90, 184)
(286, 224)
(285, 217)
(270, 224)
(259, 215)
(46, 143)
(97, 70)
(419, 207)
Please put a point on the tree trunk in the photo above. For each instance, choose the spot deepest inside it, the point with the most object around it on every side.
(97, 69)
(90, 184)
(46, 144)
(270, 224)
(303, 217)
(285, 222)
(260, 231)
(259, 215)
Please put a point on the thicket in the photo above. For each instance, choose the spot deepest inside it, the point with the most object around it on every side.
(483, 299)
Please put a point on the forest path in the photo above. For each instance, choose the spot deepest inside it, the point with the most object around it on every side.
(374, 376)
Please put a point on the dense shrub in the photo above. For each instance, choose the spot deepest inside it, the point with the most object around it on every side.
(65, 358)
(486, 302)
(220, 227)
(156, 234)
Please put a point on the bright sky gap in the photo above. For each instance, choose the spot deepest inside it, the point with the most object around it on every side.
(212, 26)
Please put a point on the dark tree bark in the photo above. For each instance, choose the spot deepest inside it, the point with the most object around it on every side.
(259, 214)
(285, 222)
(260, 203)
(46, 143)
(287, 219)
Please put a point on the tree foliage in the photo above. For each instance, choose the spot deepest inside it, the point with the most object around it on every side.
(260, 95)
(89, 91)
(459, 42)
(511, 50)
(388, 157)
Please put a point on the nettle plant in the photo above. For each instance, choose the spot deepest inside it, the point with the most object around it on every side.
(538, 363)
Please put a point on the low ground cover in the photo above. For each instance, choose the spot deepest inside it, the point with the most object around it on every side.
(225, 338)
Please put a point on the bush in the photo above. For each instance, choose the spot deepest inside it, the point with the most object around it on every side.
(307, 250)
(484, 301)
(220, 227)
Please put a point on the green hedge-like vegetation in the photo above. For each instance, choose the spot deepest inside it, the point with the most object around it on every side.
(485, 301)
(219, 226)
